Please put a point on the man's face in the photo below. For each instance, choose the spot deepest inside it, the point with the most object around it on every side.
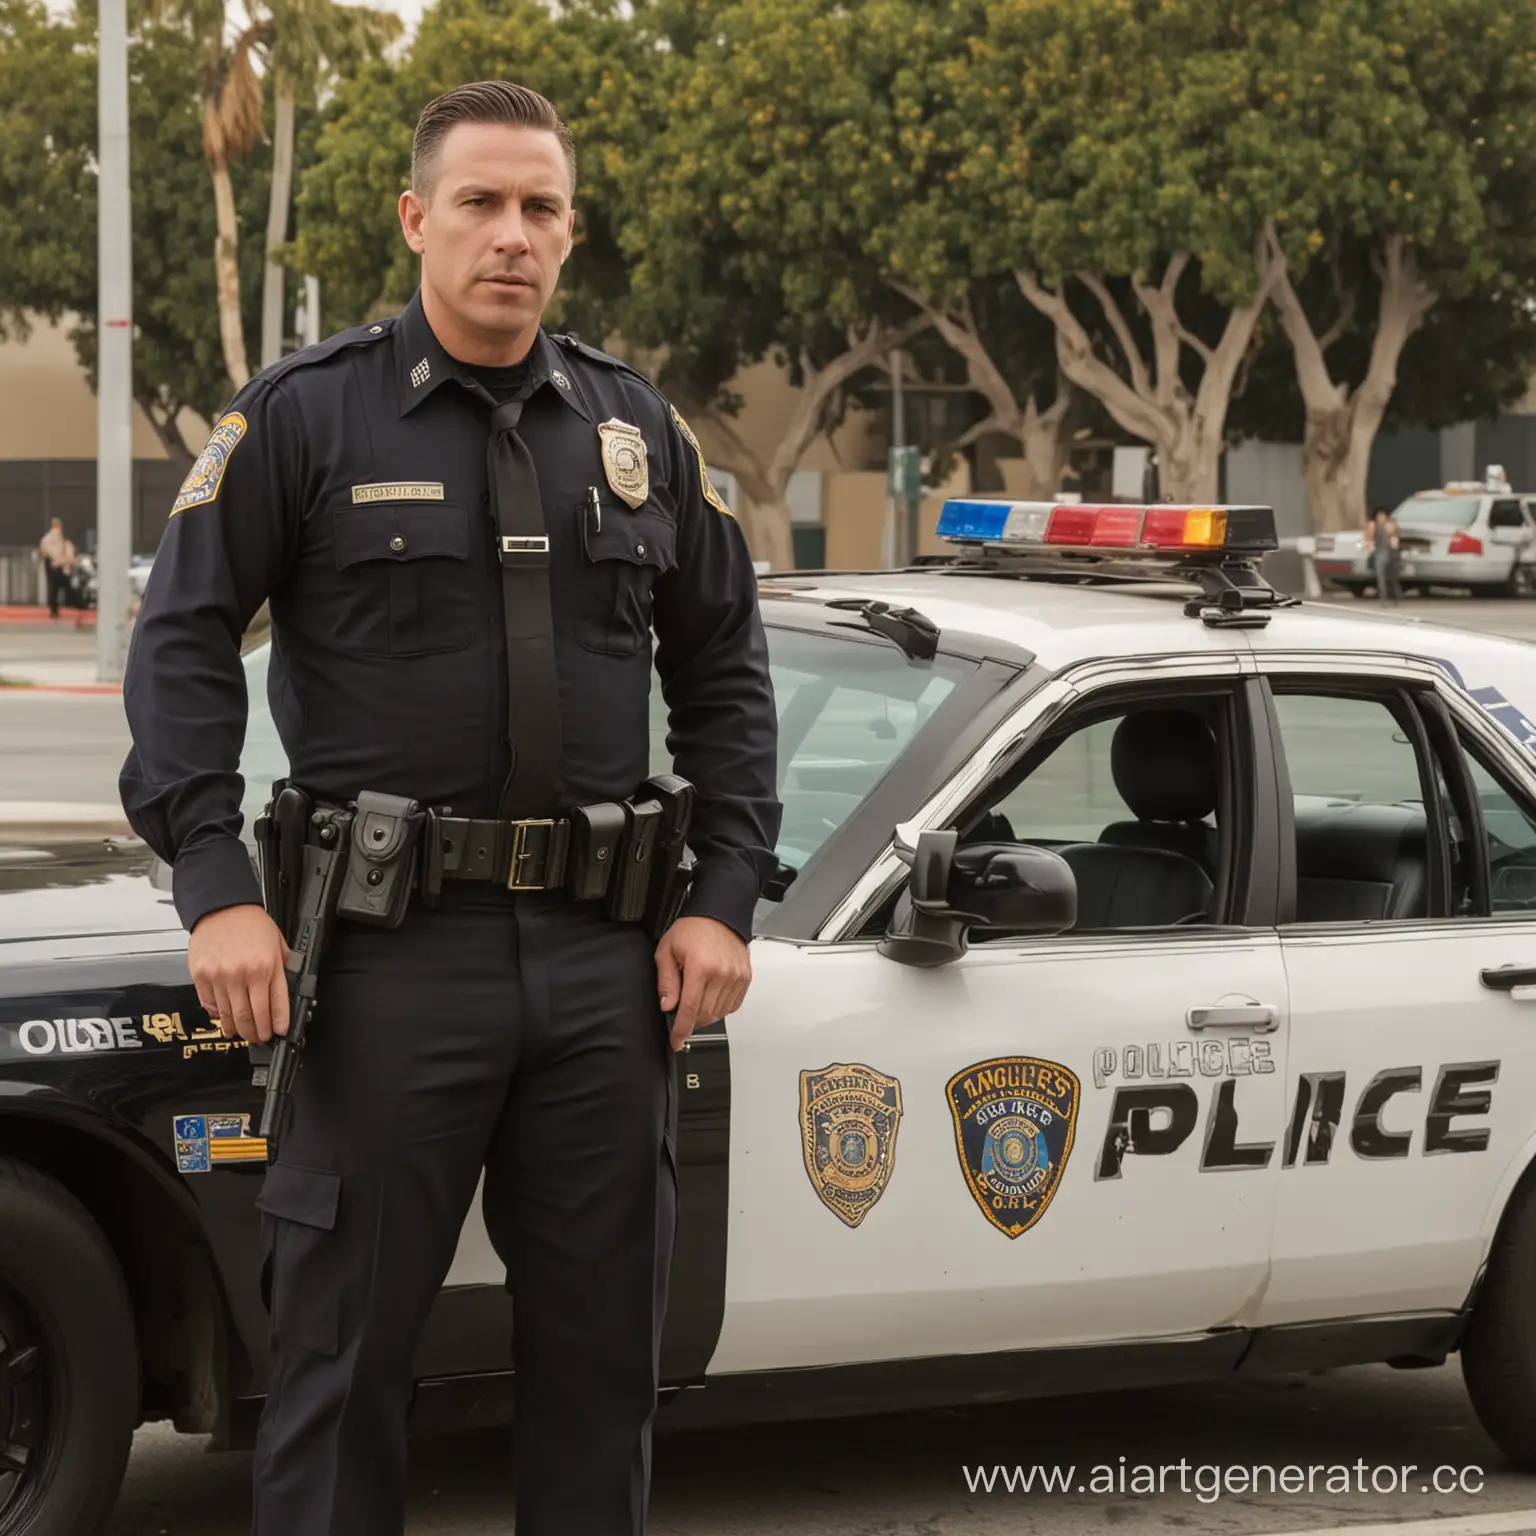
(494, 227)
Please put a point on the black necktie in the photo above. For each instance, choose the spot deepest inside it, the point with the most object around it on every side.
(533, 690)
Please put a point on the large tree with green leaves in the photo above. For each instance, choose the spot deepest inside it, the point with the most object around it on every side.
(1416, 124)
(48, 180)
(1114, 159)
(741, 223)
(348, 229)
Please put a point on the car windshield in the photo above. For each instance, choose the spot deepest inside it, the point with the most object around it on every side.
(847, 708)
(1437, 512)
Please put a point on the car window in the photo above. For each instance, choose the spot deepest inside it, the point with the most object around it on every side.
(1505, 514)
(1362, 834)
(1130, 801)
(1510, 831)
(1437, 512)
(847, 710)
(1072, 796)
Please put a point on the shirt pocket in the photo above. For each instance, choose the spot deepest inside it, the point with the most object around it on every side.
(620, 564)
(408, 584)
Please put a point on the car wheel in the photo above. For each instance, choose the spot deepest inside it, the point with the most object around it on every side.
(1498, 1350)
(1521, 583)
(68, 1362)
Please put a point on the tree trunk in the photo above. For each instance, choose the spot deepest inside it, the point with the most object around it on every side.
(1342, 423)
(1188, 431)
(163, 419)
(226, 264)
(767, 527)
(1043, 438)
(766, 522)
(1046, 440)
(277, 226)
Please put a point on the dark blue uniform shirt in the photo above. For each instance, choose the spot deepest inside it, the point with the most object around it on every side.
(346, 486)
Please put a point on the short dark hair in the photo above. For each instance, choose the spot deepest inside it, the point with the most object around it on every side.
(486, 101)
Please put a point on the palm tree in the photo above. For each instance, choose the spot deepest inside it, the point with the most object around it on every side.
(315, 40)
(231, 124)
(303, 43)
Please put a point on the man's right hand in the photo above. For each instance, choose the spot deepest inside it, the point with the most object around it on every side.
(236, 956)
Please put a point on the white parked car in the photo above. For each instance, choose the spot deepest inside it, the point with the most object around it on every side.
(1469, 535)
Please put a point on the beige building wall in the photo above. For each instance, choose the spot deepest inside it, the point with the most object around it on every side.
(768, 403)
(48, 409)
(857, 510)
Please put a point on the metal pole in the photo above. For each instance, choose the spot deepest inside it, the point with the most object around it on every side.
(900, 555)
(311, 310)
(114, 322)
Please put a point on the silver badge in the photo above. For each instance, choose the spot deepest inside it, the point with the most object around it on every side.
(421, 373)
(560, 379)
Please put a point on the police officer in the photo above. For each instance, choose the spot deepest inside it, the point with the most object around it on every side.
(467, 529)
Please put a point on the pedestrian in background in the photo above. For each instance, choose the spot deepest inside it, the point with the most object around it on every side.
(469, 531)
(58, 557)
(1386, 560)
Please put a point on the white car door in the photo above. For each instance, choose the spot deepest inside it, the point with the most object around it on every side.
(1051, 1140)
(1411, 1060)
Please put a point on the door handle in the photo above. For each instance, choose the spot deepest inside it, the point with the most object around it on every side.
(1259, 1017)
(1518, 980)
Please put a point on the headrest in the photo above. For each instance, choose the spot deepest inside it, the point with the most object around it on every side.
(1165, 766)
(1359, 842)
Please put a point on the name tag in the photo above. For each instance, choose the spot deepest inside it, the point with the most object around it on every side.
(398, 490)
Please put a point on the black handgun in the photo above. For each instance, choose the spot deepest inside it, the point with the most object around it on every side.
(309, 892)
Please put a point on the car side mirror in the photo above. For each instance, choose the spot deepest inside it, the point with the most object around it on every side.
(1003, 887)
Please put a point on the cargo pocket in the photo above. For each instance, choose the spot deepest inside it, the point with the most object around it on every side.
(301, 1275)
(408, 583)
(623, 560)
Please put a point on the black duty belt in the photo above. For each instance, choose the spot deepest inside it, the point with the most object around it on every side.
(521, 855)
(630, 854)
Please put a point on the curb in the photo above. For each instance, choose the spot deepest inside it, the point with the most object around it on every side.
(34, 821)
(23, 689)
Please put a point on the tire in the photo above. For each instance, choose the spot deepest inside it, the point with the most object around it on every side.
(69, 1368)
(1521, 583)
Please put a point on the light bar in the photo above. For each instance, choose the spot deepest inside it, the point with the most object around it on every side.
(1153, 529)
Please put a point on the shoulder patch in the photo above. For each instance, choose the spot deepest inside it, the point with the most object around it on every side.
(358, 336)
(207, 472)
(711, 495)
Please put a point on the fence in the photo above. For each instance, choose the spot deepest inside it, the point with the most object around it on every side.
(22, 582)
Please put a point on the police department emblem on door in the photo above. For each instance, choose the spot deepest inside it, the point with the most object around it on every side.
(849, 1116)
(1014, 1117)
(624, 461)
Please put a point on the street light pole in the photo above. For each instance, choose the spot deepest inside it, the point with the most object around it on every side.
(114, 343)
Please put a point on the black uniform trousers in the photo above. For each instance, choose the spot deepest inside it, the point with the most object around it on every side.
(520, 1035)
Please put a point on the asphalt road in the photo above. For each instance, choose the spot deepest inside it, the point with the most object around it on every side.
(905, 1475)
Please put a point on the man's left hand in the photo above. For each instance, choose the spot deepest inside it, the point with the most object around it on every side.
(703, 970)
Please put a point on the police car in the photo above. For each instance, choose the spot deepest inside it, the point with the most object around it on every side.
(1146, 993)
(1477, 535)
